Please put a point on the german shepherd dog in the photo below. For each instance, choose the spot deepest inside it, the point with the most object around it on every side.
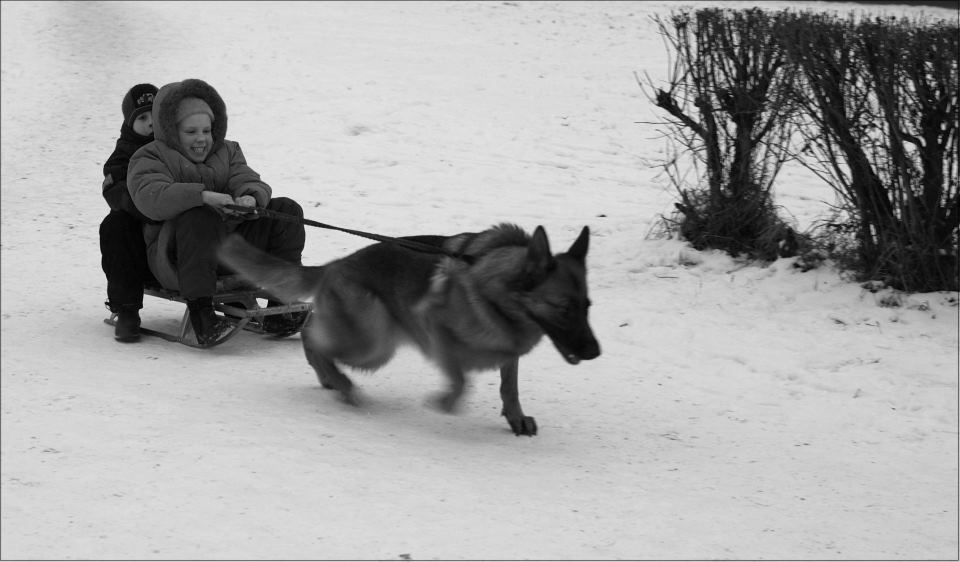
(482, 310)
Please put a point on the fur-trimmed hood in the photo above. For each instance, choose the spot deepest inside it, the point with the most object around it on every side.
(165, 111)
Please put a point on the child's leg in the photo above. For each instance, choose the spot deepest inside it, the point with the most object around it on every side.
(124, 259)
(197, 235)
(285, 240)
(190, 241)
(280, 238)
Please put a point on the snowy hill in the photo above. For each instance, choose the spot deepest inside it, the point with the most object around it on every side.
(737, 411)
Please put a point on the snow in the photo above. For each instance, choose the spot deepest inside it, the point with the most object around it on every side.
(737, 411)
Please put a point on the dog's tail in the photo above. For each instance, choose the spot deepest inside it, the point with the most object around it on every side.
(288, 282)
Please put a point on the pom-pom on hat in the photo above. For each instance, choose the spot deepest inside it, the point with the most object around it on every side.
(138, 100)
(191, 106)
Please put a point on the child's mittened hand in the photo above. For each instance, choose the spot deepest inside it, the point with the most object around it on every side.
(246, 201)
(250, 202)
(216, 200)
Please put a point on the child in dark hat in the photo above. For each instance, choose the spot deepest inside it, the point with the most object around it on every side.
(122, 247)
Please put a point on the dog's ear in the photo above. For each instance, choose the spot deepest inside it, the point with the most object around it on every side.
(539, 258)
(578, 250)
(539, 249)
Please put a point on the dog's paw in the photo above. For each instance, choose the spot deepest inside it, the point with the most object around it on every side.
(445, 402)
(351, 397)
(523, 425)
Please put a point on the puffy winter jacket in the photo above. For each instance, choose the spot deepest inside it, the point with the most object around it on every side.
(164, 182)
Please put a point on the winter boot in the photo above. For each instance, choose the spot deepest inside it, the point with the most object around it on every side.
(207, 326)
(128, 323)
(283, 325)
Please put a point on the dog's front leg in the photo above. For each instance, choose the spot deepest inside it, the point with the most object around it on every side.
(510, 394)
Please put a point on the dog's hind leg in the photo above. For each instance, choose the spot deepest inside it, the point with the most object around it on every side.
(448, 401)
(510, 395)
(330, 375)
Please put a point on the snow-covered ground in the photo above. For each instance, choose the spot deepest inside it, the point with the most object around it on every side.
(737, 411)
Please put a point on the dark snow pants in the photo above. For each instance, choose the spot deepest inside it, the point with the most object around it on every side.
(123, 256)
(189, 242)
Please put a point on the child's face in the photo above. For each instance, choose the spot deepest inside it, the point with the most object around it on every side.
(143, 124)
(196, 136)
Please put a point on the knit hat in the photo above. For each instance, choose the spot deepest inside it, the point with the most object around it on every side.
(138, 100)
(192, 106)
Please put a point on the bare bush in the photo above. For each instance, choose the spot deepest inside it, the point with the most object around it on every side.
(729, 106)
(879, 110)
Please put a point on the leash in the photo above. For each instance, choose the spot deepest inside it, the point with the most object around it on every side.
(409, 244)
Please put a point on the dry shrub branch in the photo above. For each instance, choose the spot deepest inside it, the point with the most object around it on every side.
(878, 99)
(729, 109)
(872, 105)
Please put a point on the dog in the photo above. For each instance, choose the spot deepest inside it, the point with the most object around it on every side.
(483, 303)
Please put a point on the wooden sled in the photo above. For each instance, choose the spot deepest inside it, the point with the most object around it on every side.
(231, 291)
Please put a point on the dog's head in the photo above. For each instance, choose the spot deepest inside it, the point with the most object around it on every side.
(555, 295)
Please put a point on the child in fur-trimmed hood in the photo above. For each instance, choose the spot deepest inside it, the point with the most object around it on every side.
(184, 179)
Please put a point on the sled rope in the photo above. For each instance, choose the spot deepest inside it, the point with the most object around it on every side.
(409, 244)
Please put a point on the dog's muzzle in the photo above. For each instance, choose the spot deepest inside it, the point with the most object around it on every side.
(586, 350)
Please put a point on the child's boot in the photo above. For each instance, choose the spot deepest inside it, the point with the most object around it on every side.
(128, 323)
(206, 324)
(283, 325)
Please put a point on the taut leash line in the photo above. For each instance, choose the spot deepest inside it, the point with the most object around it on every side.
(409, 244)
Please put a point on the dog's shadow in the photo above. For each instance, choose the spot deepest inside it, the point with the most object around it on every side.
(384, 414)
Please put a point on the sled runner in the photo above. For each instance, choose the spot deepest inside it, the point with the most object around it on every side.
(236, 300)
